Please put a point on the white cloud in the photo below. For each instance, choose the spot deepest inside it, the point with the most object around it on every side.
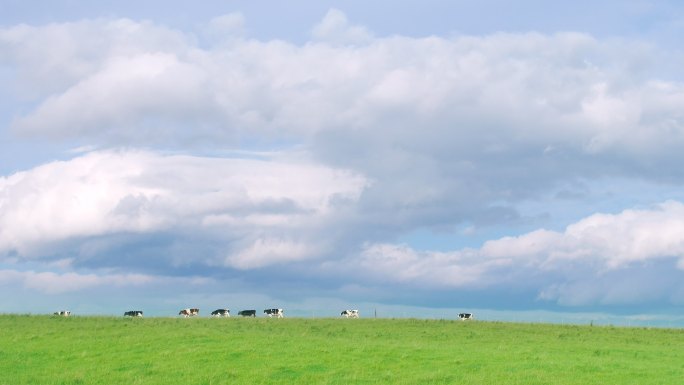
(155, 84)
(116, 192)
(475, 96)
(608, 259)
(469, 100)
(335, 28)
(616, 240)
(53, 57)
(250, 84)
(56, 283)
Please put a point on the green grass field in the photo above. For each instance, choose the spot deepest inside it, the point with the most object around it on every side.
(108, 350)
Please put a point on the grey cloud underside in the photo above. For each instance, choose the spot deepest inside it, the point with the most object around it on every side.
(376, 137)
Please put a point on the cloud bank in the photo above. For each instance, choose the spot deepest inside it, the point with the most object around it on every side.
(214, 154)
(612, 259)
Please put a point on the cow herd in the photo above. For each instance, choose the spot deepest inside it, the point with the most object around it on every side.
(272, 313)
(191, 312)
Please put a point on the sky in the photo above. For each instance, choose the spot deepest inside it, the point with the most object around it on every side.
(422, 158)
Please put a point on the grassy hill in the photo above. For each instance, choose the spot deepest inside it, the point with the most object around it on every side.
(107, 350)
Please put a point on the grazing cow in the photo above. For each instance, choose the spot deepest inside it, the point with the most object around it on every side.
(188, 312)
(133, 313)
(221, 313)
(247, 313)
(350, 314)
(278, 313)
(63, 313)
(465, 316)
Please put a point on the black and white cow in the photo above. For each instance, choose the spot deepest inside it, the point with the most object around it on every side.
(63, 313)
(465, 316)
(133, 313)
(278, 313)
(247, 313)
(221, 313)
(350, 313)
(188, 312)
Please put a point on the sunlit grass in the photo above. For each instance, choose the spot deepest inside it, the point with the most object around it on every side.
(105, 350)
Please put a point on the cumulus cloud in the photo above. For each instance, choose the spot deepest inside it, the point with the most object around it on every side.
(140, 86)
(523, 89)
(631, 257)
(615, 240)
(243, 203)
(480, 123)
(52, 58)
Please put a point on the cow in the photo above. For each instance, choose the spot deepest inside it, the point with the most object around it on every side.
(247, 313)
(465, 316)
(221, 313)
(188, 312)
(63, 313)
(278, 313)
(350, 314)
(133, 313)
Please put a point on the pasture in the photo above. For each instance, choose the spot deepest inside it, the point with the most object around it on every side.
(107, 350)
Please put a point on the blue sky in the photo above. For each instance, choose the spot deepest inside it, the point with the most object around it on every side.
(443, 155)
